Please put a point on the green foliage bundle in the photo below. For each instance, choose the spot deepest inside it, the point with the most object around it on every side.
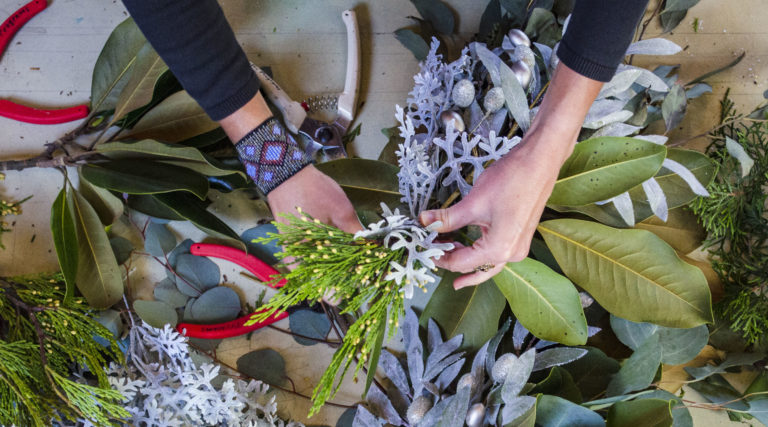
(45, 341)
(736, 220)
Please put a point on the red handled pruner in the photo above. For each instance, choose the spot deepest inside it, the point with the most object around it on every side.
(323, 138)
(20, 112)
(244, 324)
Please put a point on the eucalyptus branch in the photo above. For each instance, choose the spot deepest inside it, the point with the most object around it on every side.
(742, 117)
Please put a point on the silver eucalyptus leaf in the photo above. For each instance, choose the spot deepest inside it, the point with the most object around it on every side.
(516, 100)
(737, 152)
(557, 357)
(441, 352)
(697, 90)
(602, 108)
(615, 117)
(490, 61)
(364, 418)
(656, 139)
(519, 333)
(620, 82)
(656, 198)
(686, 175)
(449, 374)
(395, 373)
(616, 129)
(414, 350)
(478, 365)
(493, 345)
(456, 410)
(655, 46)
(516, 408)
(434, 336)
(645, 78)
(434, 415)
(382, 406)
(434, 370)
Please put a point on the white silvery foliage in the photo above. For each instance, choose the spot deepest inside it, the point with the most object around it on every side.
(162, 386)
(399, 231)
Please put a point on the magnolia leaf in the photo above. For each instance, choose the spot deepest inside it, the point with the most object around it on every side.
(150, 206)
(517, 409)
(737, 152)
(655, 46)
(557, 356)
(122, 247)
(156, 313)
(682, 230)
(112, 69)
(216, 305)
(638, 371)
(492, 15)
(367, 183)
(265, 365)
(436, 13)
(553, 411)
(514, 97)
(264, 251)
(310, 324)
(140, 88)
(604, 167)
(516, 11)
(413, 42)
(631, 273)
(674, 106)
(194, 211)
(145, 177)
(592, 372)
(196, 274)
(173, 154)
(435, 415)
(472, 311)
(678, 346)
(167, 292)
(98, 277)
(108, 206)
(159, 240)
(65, 241)
(646, 412)
(543, 301)
(175, 119)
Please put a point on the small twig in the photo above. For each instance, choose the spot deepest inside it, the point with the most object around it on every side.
(722, 125)
(332, 344)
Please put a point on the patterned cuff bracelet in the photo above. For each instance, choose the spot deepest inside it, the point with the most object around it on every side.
(270, 155)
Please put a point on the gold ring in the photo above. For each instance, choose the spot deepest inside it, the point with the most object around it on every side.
(485, 267)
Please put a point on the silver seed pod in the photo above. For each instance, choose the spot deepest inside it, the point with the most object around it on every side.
(475, 415)
(449, 116)
(554, 60)
(502, 366)
(419, 407)
(518, 37)
(463, 93)
(525, 54)
(494, 100)
(523, 73)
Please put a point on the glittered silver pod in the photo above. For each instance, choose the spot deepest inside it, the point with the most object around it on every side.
(518, 37)
(448, 116)
(523, 73)
(494, 100)
(475, 415)
(463, 93)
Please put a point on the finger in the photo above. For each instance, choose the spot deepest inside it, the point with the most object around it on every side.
(349, 222)
(466, 259)
(453, 218)
(476, 278)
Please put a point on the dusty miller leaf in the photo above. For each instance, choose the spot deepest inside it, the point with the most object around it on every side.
(674, 106)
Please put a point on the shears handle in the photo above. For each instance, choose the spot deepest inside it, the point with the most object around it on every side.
(233, 328)
(257, 267)
(36, 116)
(348, 98)
(292, 111)
(17, 20)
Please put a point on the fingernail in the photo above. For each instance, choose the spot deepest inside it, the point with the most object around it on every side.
(426, 218)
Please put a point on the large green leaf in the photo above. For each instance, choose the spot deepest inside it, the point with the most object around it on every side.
(194, 210)
(682, 230)
(632, 273)
(140, 88)
(472, 311)
(603, 167)
(553, 411)
(173, 154)
(545, 302)
(112, 69)
(108, 206)
(641, 412)
(149, 205)
(177, 118)
(145, 177)
(98, 275)
(676, 190)
(65, 240)
(436, 13)
(593, 372)
(367, 183)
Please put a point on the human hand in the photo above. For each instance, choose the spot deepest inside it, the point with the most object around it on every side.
(316, 194)
(506, 202)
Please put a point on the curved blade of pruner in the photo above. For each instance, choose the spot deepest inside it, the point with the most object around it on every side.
(324, 140)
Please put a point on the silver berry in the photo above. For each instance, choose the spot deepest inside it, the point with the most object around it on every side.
(466, 380)
(494, 100)
(463, 93)
(420, 406)
(502, 366)
(450, 116)
(475, 415)
(523, 73)
(525, 54)
(518, 37)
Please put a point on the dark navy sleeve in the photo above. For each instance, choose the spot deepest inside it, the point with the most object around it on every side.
(194, 38)
(598, 35)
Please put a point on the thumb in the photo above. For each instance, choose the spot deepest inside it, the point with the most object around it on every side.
(453, 218)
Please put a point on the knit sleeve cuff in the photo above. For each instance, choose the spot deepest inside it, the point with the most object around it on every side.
(583, 65)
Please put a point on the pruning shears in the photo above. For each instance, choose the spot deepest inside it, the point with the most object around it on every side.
(242, 325)
(24, 113)
(321, 137)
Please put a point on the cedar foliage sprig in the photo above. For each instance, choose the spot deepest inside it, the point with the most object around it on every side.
(736, 220)
(43, 341)
(331, 263)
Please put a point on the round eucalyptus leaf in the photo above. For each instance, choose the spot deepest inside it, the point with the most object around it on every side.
(156, 313)
(216, 305)
(122, 248)
(195, 274)
(183, 248)
(265, 365)
(167, 292)
(346, 418)
(159, 240)
(264, 251)
(310, 324)
(187, 316)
